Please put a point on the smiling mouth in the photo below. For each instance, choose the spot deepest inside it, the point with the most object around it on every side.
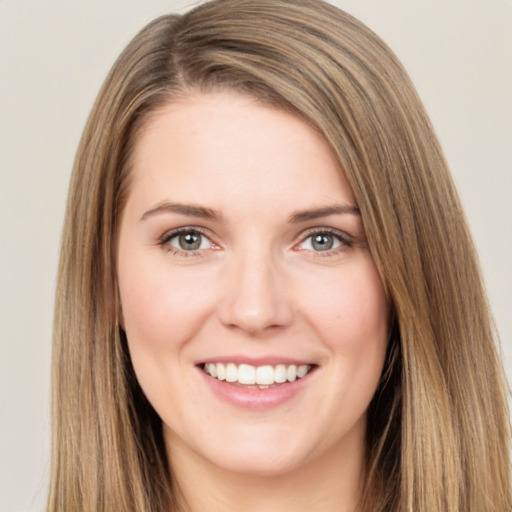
(258, 377)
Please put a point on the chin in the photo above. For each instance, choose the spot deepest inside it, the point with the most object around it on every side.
(259, 462)
(255, 450)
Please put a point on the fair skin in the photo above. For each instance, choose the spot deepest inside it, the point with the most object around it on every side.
(269, 274)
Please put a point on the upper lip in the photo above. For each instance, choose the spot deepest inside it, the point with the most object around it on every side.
(256, 361)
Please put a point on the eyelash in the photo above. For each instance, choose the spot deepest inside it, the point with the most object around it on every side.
(167, 237)
(345, 241)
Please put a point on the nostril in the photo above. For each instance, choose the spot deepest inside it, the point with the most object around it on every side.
(256, 318)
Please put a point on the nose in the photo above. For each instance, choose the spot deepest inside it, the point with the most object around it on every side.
(255, 299)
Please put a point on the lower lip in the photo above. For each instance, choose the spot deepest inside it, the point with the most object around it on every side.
(254, 398)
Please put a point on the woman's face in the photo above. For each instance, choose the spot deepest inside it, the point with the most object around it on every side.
(256, 320)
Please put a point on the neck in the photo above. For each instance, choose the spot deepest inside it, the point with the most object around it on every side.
(331, 483)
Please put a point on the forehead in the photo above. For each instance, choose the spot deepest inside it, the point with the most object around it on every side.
(218, 147)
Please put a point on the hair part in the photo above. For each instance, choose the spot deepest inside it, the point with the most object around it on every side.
(438, 432)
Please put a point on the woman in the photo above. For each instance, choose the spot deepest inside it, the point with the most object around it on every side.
(268, 295)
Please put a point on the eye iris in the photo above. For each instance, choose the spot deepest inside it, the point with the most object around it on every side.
(322, 242)
(190, 241)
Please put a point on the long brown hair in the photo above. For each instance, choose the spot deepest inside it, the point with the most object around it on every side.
(438, 430)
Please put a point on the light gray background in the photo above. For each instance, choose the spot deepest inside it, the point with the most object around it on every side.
(53, 58)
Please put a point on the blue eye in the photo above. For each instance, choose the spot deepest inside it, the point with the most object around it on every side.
(321, 242)
(325, 241)
(188, 240)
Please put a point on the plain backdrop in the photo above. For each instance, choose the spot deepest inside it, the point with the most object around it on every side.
(53, 58)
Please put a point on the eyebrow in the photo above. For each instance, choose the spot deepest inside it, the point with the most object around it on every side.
(317, 213)
(210, 214)
(183, 209)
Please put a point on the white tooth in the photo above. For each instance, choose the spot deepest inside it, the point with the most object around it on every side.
(302, 370)
(291, 372)
(280, 373)
(231, 373)
(265, 375)
(221, 371)
(211, 368)
(246, 374)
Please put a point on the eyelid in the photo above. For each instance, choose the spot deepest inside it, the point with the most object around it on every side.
(169, 235)
(183, 229)
(344, 238)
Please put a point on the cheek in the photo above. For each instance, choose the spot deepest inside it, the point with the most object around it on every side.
(161, 308)
(162, 313)
(351, 311)
(351, 318)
